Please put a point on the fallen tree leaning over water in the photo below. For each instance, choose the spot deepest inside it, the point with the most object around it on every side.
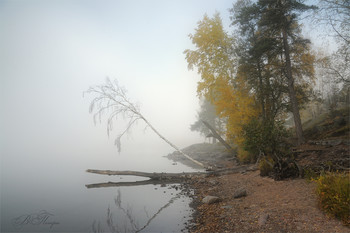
(112, 97)
(217, 136)
(162, 178)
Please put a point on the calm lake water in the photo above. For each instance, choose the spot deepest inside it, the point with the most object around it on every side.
(47, 142)
(44, 196)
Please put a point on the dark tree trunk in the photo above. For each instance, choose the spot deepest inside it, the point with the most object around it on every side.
(261, 89)
(292, 94)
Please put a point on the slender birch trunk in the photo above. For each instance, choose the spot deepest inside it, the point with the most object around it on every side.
(113, 97)
(171, 144)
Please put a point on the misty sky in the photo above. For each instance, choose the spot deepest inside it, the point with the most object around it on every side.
(52, 51)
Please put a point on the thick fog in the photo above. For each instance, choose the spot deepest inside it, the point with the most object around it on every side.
(52, 51)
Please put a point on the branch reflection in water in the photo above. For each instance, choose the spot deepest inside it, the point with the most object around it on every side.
(129, 223)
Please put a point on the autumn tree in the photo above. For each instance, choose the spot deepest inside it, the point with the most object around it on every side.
(255, 77)
(214, 56)
(216, 60)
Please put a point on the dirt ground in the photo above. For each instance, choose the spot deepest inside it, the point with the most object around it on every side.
(270, 206)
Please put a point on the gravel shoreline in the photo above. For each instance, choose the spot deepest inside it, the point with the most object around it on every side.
(268, 206)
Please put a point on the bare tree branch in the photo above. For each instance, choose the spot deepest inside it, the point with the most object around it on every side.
(112, 97)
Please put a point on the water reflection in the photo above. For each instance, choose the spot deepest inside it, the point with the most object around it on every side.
(121, 217)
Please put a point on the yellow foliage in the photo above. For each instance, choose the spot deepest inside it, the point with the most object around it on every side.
(237, 105)
(220, 84)
(213, 56)
(333, 190)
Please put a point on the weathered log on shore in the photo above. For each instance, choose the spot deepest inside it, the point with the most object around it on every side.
(174, 176)
(152, 176)
(133, 183)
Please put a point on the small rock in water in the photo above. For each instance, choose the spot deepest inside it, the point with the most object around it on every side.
(211, 199)
(242, 192)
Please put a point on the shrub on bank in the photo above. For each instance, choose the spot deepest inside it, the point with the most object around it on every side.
(266, 166)
(265, 136)
(244, 156)
(333, 190)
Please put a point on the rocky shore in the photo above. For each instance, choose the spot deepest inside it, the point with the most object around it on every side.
(247, 202)
(212, 155)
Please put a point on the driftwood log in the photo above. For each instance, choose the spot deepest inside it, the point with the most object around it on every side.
(162, 178)
(153, 176)
(132, 183)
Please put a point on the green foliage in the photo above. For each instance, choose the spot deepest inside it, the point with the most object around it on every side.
(333, 190)
(264, 136)
(310, 174)
(244, 156)
(266, 166)
(276, 61)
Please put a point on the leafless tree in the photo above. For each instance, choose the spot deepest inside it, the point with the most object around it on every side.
(335, 15)
(111, 98)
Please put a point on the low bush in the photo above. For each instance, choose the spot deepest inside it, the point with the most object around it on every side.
(265, 137)
(266, 166)
(310, 174)
(333, 190)
(244, 156)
